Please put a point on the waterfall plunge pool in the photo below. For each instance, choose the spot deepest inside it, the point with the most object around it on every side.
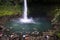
(41, 25)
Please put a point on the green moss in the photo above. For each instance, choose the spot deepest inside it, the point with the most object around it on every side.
(10, 10)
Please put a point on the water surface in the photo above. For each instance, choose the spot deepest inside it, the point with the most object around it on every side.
(41, 24)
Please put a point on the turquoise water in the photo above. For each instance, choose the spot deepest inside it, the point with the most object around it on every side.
(40, 25)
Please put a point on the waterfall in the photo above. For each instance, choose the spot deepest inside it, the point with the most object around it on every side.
(25, 18)
(25, 10)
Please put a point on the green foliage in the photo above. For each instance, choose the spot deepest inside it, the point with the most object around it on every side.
(9, 10)
(56, 14)
(7, 7)
(58, 34)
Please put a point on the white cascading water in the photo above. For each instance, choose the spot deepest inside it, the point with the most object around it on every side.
(25, 18)
(25, 10)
